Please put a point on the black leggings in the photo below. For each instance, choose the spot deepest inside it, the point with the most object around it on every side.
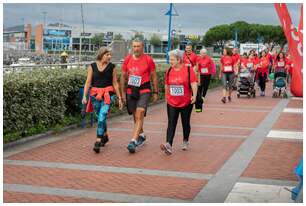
(262, 81)
(173, 114)
(202, 90)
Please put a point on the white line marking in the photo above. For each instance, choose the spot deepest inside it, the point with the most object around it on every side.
(285, 134)
(294, 110)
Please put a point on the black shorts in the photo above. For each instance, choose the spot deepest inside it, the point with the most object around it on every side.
(142, 102)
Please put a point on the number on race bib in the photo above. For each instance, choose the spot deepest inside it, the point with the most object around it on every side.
(204, 70)
(134, 81)
(228, 68)
(281, 64)
(176, 90)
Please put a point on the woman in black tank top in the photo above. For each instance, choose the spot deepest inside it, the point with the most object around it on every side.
(102, 78)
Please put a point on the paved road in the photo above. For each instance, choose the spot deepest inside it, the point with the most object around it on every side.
(243, 151)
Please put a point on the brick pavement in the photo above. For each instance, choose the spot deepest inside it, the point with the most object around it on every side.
(219, 132)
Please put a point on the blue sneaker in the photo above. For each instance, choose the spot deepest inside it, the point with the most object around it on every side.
(141, 140)
(132, 147)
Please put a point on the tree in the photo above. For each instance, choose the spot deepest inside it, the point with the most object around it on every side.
(118, 37)
(243, 29)
(97, 40)
(217, 36)
(155, 40)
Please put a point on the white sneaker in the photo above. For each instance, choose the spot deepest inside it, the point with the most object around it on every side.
(185, 145)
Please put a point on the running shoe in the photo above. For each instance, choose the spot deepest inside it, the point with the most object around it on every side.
(97, 147)
(132, 147)
(229, 98)
(185, 145)
(166, 148)
(141, 140)
(223, 100)
(104, 140)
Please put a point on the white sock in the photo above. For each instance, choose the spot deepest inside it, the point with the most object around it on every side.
(142, 134)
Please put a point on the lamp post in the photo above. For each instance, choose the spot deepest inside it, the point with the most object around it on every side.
(169, 13)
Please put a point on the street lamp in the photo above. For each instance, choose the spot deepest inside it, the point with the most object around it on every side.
(259, 40)
(170, 14)
(236, 37)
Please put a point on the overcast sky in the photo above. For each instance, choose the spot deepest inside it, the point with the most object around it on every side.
(192, 19)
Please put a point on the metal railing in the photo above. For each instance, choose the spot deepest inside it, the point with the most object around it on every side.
(21, 68)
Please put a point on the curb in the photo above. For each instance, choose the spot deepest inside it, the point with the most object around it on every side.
(63, 130)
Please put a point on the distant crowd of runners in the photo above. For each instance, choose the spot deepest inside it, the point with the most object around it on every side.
(186, 84)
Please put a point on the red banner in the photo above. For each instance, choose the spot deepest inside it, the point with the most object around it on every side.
(295, 48)
(300, 29)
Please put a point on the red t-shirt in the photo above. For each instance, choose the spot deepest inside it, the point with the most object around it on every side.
(205, 65)
(263, 67)
(254, 60)
(227, 63)
(244, 61)
(139, 68)
(193, 57)
(178, 90)
(279, 64)
(236, 57)
(270, 57)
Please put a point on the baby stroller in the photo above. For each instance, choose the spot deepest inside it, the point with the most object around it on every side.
(280, 84)
(246, 84)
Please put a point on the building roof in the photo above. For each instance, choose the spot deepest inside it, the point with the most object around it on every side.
(14, 29)
(57, 24)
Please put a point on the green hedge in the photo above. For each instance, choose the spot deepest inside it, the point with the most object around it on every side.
(40, 100)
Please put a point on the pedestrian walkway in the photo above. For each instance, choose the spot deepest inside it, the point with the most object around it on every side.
(242, 151)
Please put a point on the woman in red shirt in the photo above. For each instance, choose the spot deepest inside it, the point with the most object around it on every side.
(204, 71)
(280, 62)
(227, 73)
(262, 72)
(180, 90)
(243, 60)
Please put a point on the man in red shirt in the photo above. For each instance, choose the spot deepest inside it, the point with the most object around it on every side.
(137, 69)
(190, 58)
(204, 71)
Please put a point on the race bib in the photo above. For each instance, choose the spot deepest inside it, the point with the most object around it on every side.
(188, 65)
(204, 70)
(228, 68)
(281, 64)
(249, 65)
(134, 81)
(176, 90)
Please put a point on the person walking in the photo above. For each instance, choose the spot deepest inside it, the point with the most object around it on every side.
(180, 91)
(137, 69)
(102, 78)
(227, 73)
(205, 69)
